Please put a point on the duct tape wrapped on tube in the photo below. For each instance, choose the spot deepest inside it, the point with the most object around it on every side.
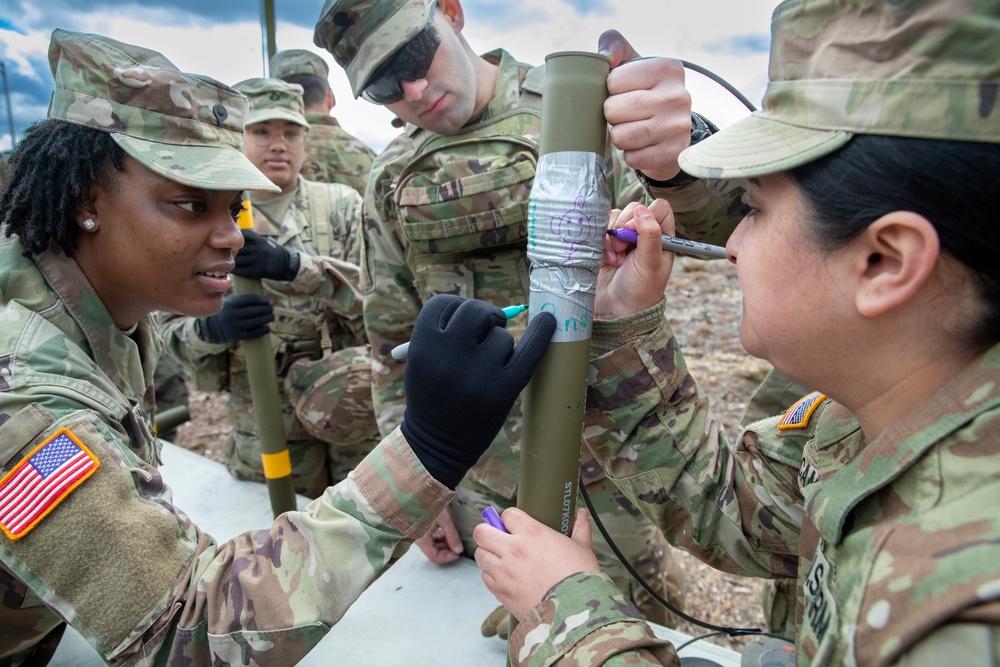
(567, 217)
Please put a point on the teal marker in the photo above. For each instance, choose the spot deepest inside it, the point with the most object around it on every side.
(399, 352)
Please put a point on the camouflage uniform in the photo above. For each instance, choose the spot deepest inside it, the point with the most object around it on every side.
(773, 396)
(323, 292)
(449, 217)
(162, 589)
(112, 556)
(887, 539)
(333, 155)
(892, 542)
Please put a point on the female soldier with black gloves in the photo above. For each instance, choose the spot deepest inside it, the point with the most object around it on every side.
(121, 203)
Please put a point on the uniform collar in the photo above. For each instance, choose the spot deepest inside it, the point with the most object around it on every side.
(880, 462)
(114, 352)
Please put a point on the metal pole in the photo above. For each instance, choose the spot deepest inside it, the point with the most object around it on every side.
(266, 399)
(568, 211)
(267, 29)
(171, 418)
(10, 114)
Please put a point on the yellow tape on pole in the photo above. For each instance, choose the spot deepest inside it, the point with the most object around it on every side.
(277, 465)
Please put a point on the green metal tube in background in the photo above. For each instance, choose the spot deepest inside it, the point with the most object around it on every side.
(171, 418)
(554, 400)
(266, 400)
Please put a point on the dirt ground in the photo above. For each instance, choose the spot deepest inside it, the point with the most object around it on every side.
(704, 308)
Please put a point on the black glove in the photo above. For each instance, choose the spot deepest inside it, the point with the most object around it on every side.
(243, 317)
(462, 376)
(262, 257)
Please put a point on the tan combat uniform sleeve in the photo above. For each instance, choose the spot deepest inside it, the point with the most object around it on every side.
(136, 578)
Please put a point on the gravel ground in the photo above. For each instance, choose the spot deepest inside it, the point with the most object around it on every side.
(705, 307)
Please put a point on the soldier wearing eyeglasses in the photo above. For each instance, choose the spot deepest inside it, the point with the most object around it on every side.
(333, 155)
(305, 248)
(446, 212)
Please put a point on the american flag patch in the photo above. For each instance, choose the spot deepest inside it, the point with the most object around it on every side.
(42, 480)
(798, 415)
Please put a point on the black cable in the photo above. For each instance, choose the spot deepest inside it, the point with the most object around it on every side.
(732, 632)
(734, 91)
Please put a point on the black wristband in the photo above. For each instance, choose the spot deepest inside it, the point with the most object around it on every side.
(701, 129)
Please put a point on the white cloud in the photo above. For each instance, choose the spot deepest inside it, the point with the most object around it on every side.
(678, 28)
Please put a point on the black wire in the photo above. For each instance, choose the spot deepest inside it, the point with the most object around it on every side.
(732, 632)
(722, 82)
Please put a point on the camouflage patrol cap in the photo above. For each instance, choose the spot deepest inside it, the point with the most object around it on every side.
(362, 34)
(298, 61)
(273, 99)
(904, 68)
(185, 127)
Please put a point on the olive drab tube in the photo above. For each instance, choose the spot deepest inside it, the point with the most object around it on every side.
(266, 399)
(567, 215)
(171, 418)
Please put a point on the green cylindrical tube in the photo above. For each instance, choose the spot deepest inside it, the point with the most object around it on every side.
(266, 401)
(171, 418)
(568, 212)
(576, 85)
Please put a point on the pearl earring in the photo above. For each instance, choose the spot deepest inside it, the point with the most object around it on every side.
(89, 224)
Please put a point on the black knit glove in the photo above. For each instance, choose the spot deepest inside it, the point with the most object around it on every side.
(462, 376)
(243, 317)
(262, 257)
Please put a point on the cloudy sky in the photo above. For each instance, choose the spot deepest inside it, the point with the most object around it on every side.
(223, 39)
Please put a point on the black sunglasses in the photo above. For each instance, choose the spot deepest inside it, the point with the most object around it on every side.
(409, 63)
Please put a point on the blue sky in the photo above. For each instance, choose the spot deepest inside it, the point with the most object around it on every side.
(222, 39)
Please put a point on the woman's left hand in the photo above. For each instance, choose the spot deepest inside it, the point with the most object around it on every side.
(520, 567)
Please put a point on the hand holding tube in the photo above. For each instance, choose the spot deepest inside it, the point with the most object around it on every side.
(463, 373)
(648, 108)
(262, 257)
(243, 317)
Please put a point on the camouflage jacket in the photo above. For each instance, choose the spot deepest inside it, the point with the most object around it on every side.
(333, 155)
(325, 290)
(449, 215)
(112, 556)
(893, 542)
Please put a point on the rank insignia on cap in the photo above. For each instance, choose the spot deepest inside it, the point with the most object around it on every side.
(798, 415)
(42, 480)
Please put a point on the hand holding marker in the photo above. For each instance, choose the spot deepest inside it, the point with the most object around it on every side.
(491, 517)
(683, 246)
(399, 352)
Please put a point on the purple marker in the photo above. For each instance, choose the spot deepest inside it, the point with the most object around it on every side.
(491, 517)
(683, 246)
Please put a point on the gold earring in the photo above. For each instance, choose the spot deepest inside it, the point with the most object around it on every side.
(89, 224)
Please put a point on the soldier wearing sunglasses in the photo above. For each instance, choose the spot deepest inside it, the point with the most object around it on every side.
(446, 209)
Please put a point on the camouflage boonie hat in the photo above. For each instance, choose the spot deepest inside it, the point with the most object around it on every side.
(362, 34)
(904, 68)
(273, 99)
(298, 61)
(185, 127)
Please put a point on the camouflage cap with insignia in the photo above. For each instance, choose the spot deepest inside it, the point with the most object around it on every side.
(362, 34)
(297, 61)
(273, 99)
(185, 127)
(903, 68)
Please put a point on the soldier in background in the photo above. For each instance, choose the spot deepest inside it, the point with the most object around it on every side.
(333, 155)
(446, 212)
(123, 202)
(304, 247)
